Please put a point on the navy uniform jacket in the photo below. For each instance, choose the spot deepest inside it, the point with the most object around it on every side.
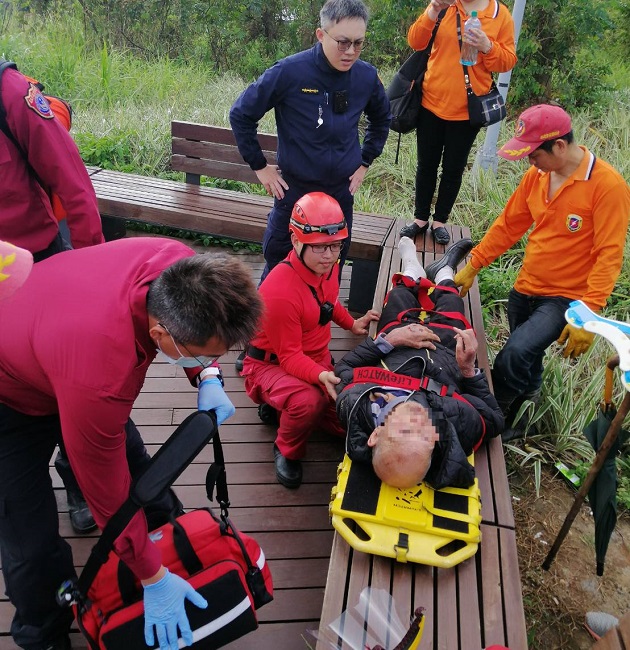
(301, 89)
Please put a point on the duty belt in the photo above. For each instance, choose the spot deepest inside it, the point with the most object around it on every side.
(261, 355)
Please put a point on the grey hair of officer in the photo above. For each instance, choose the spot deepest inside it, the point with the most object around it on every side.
(335, 10)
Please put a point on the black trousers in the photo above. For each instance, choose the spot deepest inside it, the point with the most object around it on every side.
(448, 142)
(35, 558)
(402, 298)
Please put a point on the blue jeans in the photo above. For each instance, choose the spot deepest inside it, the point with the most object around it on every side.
(535, 323)
(277, 237)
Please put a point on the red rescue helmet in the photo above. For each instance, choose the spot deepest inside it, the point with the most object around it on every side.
(317, 218)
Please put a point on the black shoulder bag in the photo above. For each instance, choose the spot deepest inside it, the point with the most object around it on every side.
(405, 89)
(483, 110)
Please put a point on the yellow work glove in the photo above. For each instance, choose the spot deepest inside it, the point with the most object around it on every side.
(577, 340)
(465, 278)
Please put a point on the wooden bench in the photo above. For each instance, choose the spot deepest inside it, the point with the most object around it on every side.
(202, 150)
(479, 602)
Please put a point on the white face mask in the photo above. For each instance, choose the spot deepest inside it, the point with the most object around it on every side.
(183, 361)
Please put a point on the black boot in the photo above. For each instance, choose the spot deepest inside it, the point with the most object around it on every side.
(268, 414)
(80, 516)
(452, 257)
(288, 472)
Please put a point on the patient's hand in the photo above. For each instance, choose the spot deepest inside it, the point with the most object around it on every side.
(413, 336)
(466, 351)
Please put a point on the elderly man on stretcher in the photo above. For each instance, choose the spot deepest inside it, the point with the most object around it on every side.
(412, 400)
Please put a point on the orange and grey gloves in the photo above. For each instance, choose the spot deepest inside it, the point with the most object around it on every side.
(577, 340)
(465, 278)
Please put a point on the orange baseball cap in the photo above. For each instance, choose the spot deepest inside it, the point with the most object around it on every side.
(15, 265)
(534, 126)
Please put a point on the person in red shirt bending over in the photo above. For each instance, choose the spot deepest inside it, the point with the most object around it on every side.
(77, 340)
(579, 207)
(288, 368)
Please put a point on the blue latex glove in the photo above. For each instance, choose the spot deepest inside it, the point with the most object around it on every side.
(164, 608)
(212, 397)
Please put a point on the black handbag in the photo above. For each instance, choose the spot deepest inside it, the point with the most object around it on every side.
(483, 110)
(405, 89)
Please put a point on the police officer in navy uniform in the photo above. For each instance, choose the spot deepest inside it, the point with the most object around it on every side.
(318, 96)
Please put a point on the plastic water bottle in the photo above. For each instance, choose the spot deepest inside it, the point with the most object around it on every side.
(469, 52)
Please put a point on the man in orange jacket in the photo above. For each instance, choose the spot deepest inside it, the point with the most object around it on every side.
(579, 206)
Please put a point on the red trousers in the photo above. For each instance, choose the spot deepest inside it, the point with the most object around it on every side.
(301, 407)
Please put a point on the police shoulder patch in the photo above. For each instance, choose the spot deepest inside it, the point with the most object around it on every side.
(574, 222)
(310, 91)
(37, 102)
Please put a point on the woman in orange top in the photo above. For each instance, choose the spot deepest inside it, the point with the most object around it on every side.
(444, 132)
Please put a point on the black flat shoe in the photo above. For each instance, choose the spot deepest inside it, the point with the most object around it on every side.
(412, 229)
(441, 236)
(452, 257)
(62, 643)
(288, 472)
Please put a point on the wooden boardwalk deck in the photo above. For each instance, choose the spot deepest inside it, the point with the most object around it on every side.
(292, 526)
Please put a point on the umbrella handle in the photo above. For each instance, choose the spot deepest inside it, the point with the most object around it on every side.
(612, 363)
(600, 457)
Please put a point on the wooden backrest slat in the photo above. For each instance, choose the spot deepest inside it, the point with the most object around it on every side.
(213, 151)
(220, 134)
(203, 149)
(213, 168)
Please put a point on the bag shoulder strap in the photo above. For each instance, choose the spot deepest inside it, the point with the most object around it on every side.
(164, 468)
(4, 126)
(435, 28)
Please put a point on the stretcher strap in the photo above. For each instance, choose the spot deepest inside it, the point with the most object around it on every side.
(408, 315)
(383, 377)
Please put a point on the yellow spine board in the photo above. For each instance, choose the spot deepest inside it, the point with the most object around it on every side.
(434, 527)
